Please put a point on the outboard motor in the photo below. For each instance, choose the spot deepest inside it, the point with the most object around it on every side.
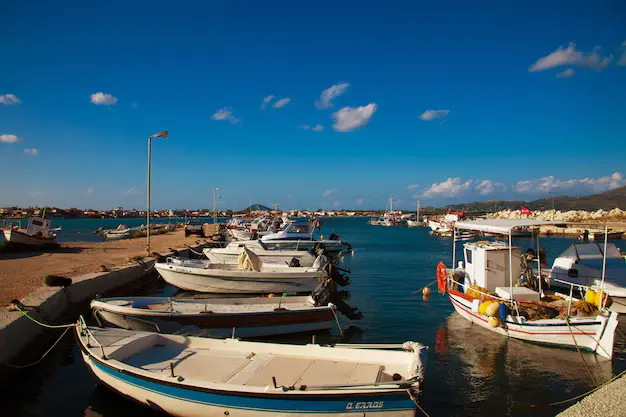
(294, 263)
(326, 292)
(335, 274)
(334, 237)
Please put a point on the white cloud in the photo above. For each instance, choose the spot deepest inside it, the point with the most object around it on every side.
(130, 191)
(38, 194)
(622, 60)
(434, 114)
(10, 139)
(570, 56)
(31, 151)
(449, 188)
(281, 103)
(90, 190)
(8, 99)
(103, 99)
(266, 101)
(413, 187)
(329, 192)
(359, 201)
(349, 118)
(225, 114)
(565, 74)
(487, 187)
(553, 184)
(328, 95)
(316, 128)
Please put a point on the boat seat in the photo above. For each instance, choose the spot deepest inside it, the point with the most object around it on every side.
(286, 370)
(322, 372)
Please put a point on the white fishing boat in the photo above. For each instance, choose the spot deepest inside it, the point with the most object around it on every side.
(245, 317)
(298, 235)
(205, 377)
(442, 226)
(36, 233)
(601, 235)
(230, 253)
(250, 276)
(120, 232)
(488, 292)
(416, 222)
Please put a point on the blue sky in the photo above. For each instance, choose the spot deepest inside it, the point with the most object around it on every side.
(445, 102)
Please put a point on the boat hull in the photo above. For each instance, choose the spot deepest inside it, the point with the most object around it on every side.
(595, 334)
(15, 237)
(178, 401)
(253, 283)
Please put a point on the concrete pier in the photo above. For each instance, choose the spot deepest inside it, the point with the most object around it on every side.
(609, 400)
(49, 305)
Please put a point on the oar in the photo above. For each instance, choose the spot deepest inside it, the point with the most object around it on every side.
(420, 290)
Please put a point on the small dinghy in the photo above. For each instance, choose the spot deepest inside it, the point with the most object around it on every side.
(249, 276)
(204, 377)
(243, 317)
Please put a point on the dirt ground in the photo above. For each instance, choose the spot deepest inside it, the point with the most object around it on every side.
(22, 272)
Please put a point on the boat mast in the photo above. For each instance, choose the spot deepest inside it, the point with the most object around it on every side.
(417, 212)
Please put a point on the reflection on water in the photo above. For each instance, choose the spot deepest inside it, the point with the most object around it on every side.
(470, 371)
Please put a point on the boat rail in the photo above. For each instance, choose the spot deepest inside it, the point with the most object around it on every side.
(84, 329)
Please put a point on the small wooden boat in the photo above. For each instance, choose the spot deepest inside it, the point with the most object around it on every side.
(246, 317)
(37, 233)
(205, 377)
(258, 278)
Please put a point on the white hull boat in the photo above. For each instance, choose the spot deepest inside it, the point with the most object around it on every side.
(595, 334)
(499, 290)
(202, 276)
(298, 235)
(414, 223)
(230, 254)
(37, 233)
(204, 377)
(245, 317)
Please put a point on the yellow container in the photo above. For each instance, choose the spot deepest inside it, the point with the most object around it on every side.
(493, 309)
(494, 321)
(590, 296)
(482, 308)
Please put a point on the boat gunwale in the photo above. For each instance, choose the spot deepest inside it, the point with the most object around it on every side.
(247, 391)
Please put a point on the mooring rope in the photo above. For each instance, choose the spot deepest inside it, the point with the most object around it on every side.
(412, 397)
(337, 321)
(50, 326)
(590, 391)
(44, 355)
(193, 251)
(593, 378)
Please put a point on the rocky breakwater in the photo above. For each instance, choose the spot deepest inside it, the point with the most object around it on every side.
(589, 220)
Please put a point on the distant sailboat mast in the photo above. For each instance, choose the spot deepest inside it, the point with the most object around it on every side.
(417, 212)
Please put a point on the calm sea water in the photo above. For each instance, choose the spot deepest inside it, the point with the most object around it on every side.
(470, 371)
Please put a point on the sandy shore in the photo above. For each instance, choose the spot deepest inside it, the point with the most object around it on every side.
(22, 272)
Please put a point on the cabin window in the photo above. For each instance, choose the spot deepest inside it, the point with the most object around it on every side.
(37, 223)
(299, 229)
(468, 256)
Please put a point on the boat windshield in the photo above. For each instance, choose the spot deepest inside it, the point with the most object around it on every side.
(584, 251)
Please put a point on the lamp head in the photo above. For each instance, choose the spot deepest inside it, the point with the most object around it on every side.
(163, 135)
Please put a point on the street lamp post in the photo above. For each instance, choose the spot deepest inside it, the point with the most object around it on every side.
(163, 135)
(215, 204)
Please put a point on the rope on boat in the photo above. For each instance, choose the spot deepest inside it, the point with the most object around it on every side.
(593, 378)
(590, 391)
(193, 251)
(412, 397)
(337, 321)
(43, 356)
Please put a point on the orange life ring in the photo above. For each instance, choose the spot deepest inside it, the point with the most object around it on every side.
(442, 278)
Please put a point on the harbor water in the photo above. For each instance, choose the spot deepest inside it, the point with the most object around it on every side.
(470, 371)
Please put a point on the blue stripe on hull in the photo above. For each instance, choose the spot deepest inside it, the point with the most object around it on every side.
(310, 405)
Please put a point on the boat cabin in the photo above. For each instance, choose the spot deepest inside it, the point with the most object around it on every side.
(38, 227)
(293, 231)
(487, 264)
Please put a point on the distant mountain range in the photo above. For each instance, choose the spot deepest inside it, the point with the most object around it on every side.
(607, 200)
(256, 207)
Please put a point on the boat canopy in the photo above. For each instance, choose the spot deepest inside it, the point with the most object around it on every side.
(501, 226)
